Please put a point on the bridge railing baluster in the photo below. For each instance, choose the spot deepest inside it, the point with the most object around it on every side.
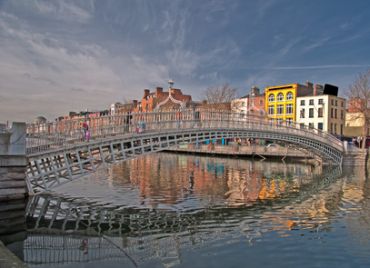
(65, 133)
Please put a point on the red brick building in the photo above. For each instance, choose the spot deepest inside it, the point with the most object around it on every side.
(173, 99)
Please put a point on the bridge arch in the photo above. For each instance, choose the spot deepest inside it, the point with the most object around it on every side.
(55, 165)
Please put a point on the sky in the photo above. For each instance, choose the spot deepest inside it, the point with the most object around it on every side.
(61, 56)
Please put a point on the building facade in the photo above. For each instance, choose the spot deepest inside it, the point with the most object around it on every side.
(240, 105)
(122, 108)
(173, 99)
(252, 104)
(355, 119)
(280, 101)
(324, 112)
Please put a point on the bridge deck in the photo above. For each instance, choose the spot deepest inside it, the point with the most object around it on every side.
(58, 154)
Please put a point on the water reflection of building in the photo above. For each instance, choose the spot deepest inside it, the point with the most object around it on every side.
(164, 178)
(126, 235)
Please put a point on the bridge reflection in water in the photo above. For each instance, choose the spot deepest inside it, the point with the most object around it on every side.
(253, 198)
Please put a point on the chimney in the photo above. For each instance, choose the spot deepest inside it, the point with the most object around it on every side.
(309, 84)
(146, 93)
(317, 89)
(158, 91)
(255, 91)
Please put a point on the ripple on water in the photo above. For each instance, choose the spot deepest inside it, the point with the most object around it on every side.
(239, 212)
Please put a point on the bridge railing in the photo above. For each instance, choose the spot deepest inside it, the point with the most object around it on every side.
(64, 133)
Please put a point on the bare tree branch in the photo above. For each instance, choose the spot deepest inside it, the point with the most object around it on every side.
(220, 94)
(359, 101)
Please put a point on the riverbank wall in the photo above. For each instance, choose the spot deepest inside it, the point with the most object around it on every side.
(255, 151)
(13, 162)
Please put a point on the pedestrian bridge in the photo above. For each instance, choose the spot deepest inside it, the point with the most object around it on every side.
(58, 153)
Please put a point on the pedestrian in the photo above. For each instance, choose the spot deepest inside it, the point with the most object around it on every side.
(85, 128)
(87, 135)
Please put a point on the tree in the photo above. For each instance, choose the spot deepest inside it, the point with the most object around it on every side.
(220, 94)
(359, 102)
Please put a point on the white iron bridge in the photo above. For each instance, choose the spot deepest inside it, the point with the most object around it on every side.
(58, 152)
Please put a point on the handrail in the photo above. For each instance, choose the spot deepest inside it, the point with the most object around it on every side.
(62, 133)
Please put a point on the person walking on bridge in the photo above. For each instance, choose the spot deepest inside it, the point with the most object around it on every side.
(85, 128)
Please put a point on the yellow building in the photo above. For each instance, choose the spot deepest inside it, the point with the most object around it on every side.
(280, 101)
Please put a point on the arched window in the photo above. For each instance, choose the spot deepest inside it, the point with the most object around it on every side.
(271, 97)
(280, 97)
(289, 96)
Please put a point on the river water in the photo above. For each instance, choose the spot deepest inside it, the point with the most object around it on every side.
(175, 210)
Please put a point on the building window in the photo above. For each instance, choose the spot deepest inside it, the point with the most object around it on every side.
(302, 103)
(271, 98)
(342, 114)
(320, 113)
(271, 109)
(279, 121)
(331, 127)
(321, 101)
(332, 102)
(335, 113)
(311, 102)
(280, 109)
(320, 126)
(341, 104)
(280, 97)
(301, 125)
(289, 108)
(302, 113)
(289, 96)
(335, 128)
(311, 125)
(310, 113)
(336, 102)
(289, 121)
(341, 129)
(331, 113)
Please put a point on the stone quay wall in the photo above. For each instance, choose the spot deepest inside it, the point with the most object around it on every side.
(13, 162)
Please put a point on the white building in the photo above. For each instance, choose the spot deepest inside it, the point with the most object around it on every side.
(324, 112)
(240, 105)
(251, 104)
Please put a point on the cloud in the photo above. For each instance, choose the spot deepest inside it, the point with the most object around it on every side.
(333, 66)
(66, 11)
(263, 7)
(317, 43)
(58, 56)
(37, 69)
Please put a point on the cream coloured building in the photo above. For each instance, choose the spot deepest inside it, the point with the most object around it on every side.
(240, 105)
(324, 112)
